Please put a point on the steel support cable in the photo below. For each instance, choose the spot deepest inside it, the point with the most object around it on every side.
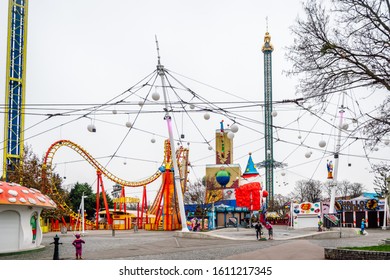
(325, 150)
(200, 97)
(135, 119)
(304, 98)
(80, 117)
(225, 113)
(182, 101)
(228, 93)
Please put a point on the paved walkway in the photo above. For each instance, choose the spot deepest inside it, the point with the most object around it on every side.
(226, 243)
(295, 250)
(301, 244)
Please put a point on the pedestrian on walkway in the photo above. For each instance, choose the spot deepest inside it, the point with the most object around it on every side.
(78, 244)
(319, 224)
(258, 229)
(362, 226)
(268, 226)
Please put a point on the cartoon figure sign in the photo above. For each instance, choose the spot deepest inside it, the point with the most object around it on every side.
(329, 165)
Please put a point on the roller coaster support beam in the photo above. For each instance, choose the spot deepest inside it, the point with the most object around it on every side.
(143, 205)
(124, 203)
(100, 184)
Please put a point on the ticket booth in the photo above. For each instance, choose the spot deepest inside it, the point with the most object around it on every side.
(122, 220)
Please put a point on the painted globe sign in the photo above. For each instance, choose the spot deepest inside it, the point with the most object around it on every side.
(222, 177)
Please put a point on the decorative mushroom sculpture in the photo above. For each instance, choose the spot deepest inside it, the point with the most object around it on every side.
(20, 209)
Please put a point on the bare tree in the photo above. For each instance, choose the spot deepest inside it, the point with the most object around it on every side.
(279, 204)
(382, 172)
(327, 189)
(350, 190)
(308, 190)
(345, 188)
(195, 193)
(356, 190)
(342, 46)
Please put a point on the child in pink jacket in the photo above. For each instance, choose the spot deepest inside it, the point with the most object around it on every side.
(77, 243)
(270, 230)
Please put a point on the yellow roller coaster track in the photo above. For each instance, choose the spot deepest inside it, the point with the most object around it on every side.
(81, 151)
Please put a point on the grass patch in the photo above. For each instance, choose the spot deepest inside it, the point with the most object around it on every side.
(380, 248)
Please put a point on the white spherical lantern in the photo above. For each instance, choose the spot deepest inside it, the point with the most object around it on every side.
(153, 140)
(308, 154)
(274, 113)
(114, 112)
(376, 149)
(230, 135)
(129, 124)
(192, 106)
(156, 96)
(283, 173)
(141, 103)
(206, 116)
(299, 136)
(234, 128)
(210, 148)
(322, 143)
(387, 142)
(91, 128)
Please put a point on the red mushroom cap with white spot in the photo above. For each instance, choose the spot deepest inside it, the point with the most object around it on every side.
(15, 194)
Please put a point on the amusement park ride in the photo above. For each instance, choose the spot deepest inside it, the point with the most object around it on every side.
(165, 207)
(15, 86)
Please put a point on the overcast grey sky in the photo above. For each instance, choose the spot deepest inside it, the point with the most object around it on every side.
(87, 52)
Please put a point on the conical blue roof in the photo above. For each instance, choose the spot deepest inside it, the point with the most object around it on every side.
(250, 167)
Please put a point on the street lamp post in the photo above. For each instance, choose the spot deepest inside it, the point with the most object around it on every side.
(291, 214)
(387, 194)
(82, 214)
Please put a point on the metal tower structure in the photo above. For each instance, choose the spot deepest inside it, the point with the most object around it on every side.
(268, 133)
(15, 86)
(177, 184)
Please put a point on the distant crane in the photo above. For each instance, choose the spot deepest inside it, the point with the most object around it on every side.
(15, 86)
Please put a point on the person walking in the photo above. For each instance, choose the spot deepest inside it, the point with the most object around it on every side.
(258, 228)
(268, 226)
(362, 226)
(319, 224)
(78, 244)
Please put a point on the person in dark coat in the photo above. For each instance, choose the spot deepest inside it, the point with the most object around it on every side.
(258, 228)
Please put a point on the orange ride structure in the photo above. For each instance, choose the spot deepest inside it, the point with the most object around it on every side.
(165, 207)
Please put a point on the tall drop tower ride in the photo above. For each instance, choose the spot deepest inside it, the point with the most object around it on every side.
(15, 86)
(268, 133)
